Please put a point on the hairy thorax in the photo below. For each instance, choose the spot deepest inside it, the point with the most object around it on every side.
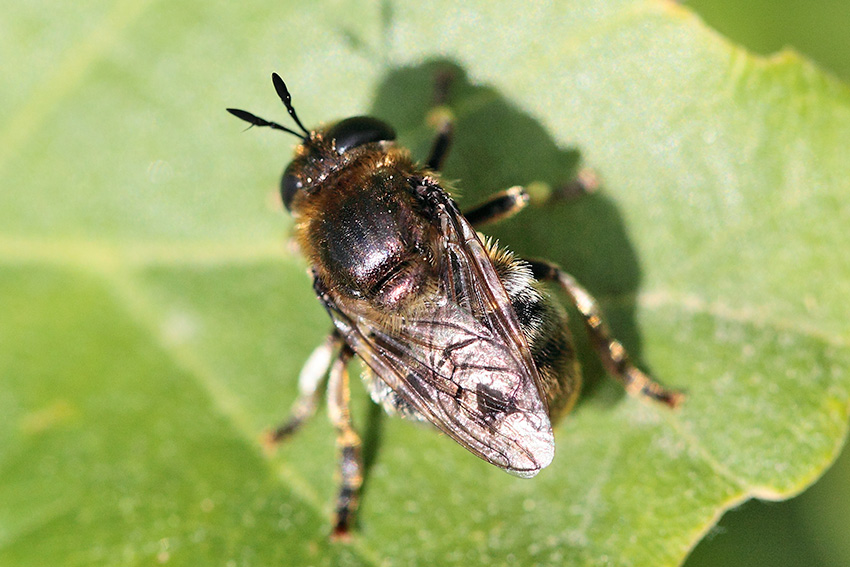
(374, 243)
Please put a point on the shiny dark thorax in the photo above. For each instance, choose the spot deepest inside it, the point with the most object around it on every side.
(372, 239)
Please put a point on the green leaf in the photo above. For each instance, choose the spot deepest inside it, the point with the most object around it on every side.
(154, 321)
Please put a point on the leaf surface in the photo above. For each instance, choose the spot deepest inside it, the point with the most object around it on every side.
(155, 321)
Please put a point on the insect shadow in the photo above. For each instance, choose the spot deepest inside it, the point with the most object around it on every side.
(497, 145)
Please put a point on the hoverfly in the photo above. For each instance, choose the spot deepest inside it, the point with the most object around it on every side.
(453, 329)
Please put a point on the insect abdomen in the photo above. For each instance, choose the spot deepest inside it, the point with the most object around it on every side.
(544, 324)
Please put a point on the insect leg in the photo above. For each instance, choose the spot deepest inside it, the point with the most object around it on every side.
(509, 202)
(348, 445)
(443, 119)
(612, 354)
(443, 141)
(584, 183)
(312, 375)
(502, 205)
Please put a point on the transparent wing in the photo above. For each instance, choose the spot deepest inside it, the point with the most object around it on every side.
(462, 362)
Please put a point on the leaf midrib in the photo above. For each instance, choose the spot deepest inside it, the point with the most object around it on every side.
(108, 260)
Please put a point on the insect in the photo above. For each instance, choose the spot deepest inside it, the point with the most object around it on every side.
(453, 330)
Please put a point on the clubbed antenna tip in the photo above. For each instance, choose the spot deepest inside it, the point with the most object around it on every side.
(284, 95)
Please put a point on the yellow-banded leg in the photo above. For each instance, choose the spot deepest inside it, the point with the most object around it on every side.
(442, 119)
(612, 354)
(498, 206)
(348, 446)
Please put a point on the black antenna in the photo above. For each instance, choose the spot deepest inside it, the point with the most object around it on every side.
(284, 95)
(257, 121)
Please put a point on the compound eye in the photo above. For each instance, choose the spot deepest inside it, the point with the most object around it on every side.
(290, 184)
(359, 130)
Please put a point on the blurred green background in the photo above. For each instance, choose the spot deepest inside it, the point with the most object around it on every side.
(818, 30)
(812, 528)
